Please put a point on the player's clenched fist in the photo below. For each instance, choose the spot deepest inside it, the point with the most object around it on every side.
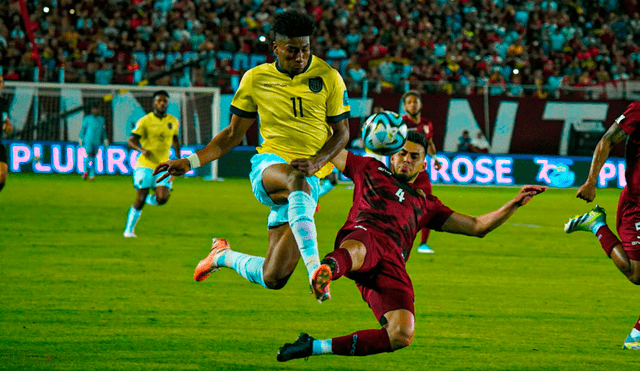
(587, 192)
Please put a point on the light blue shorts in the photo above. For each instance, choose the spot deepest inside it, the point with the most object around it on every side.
(279, 212)
(143, 178)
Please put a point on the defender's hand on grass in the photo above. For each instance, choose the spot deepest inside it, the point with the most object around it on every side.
(173, 168)
(527, 192)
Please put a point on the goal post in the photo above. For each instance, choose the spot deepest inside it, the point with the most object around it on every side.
(53, 112)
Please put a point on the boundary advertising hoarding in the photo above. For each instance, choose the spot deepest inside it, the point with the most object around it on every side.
(457, 168)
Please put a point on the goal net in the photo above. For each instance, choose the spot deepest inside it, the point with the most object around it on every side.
(54, 112)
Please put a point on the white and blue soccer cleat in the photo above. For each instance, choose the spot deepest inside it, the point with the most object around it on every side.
(425, 249)
(587, 222)
(632, 343)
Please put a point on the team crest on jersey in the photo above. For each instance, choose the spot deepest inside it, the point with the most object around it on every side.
(315, 84)
(170, 126)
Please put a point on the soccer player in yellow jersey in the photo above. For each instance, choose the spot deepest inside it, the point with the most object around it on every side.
(153, 137)
(304, 108)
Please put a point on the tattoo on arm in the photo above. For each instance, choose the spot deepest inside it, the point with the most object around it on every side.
(615, 134)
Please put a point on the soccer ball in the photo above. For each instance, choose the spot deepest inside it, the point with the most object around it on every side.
(384, 133)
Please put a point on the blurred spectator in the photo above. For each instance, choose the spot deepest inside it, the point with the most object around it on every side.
(515, 88)
(447, 44)
(11, 75)
(464, 142)
(480, 144)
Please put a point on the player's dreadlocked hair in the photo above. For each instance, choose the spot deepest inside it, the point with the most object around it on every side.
(417, 138)
(292, 24)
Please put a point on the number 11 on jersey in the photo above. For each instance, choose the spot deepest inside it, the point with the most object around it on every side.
(295, 111)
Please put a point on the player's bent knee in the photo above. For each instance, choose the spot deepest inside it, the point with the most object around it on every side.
(275, 280)
(400, 338)
(162, 200)
(297, 181)
(276, 284)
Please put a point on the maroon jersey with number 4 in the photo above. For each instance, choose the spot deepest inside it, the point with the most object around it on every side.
(381, 202)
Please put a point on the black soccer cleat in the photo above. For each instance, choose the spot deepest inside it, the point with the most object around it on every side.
(301, 348)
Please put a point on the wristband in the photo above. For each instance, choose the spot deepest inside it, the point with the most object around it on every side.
(194, 161)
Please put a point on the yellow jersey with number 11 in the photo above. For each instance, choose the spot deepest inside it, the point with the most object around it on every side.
(294, 112)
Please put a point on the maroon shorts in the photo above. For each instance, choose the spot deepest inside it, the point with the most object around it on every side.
(382, 280)
(628, 225)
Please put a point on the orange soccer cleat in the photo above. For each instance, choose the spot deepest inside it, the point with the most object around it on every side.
(321, 283)
(208, 265)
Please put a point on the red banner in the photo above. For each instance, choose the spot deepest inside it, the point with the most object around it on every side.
(512, 125)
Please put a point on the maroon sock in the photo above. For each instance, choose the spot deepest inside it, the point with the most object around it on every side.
(425, 235)
(342, 260)
(362, 343)
(607, 239)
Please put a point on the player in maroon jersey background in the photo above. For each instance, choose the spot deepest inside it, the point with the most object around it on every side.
(412, 105)
(625, 251)
(375, 242)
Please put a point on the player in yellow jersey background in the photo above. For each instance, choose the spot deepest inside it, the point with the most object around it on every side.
(153, 136)
(303, 108)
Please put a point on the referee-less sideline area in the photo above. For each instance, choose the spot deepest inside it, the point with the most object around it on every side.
(457, 168)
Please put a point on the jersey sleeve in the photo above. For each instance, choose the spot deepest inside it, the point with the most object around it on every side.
(338, 107)
(243, 104)
(355, 165)
(630, 119)
(439, 213)
(139, 129)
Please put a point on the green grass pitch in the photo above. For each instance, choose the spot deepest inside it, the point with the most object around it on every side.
(76, 295)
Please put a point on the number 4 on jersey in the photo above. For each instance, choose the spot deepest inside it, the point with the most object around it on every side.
(400, 194)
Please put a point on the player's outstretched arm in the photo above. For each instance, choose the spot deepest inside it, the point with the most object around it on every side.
(221, 144)
(331, 148)
(480, 226)
(613, 136)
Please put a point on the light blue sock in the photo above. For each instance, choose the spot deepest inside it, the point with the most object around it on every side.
(85, 161)
(596, 226)
(635, 333)
(151, 200)
(91, 164)
(132, 219)
(325, 187)
(248, 266)
(301, 209)
(321, 347)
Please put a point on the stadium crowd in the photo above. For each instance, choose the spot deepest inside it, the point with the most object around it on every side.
(452, 46)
